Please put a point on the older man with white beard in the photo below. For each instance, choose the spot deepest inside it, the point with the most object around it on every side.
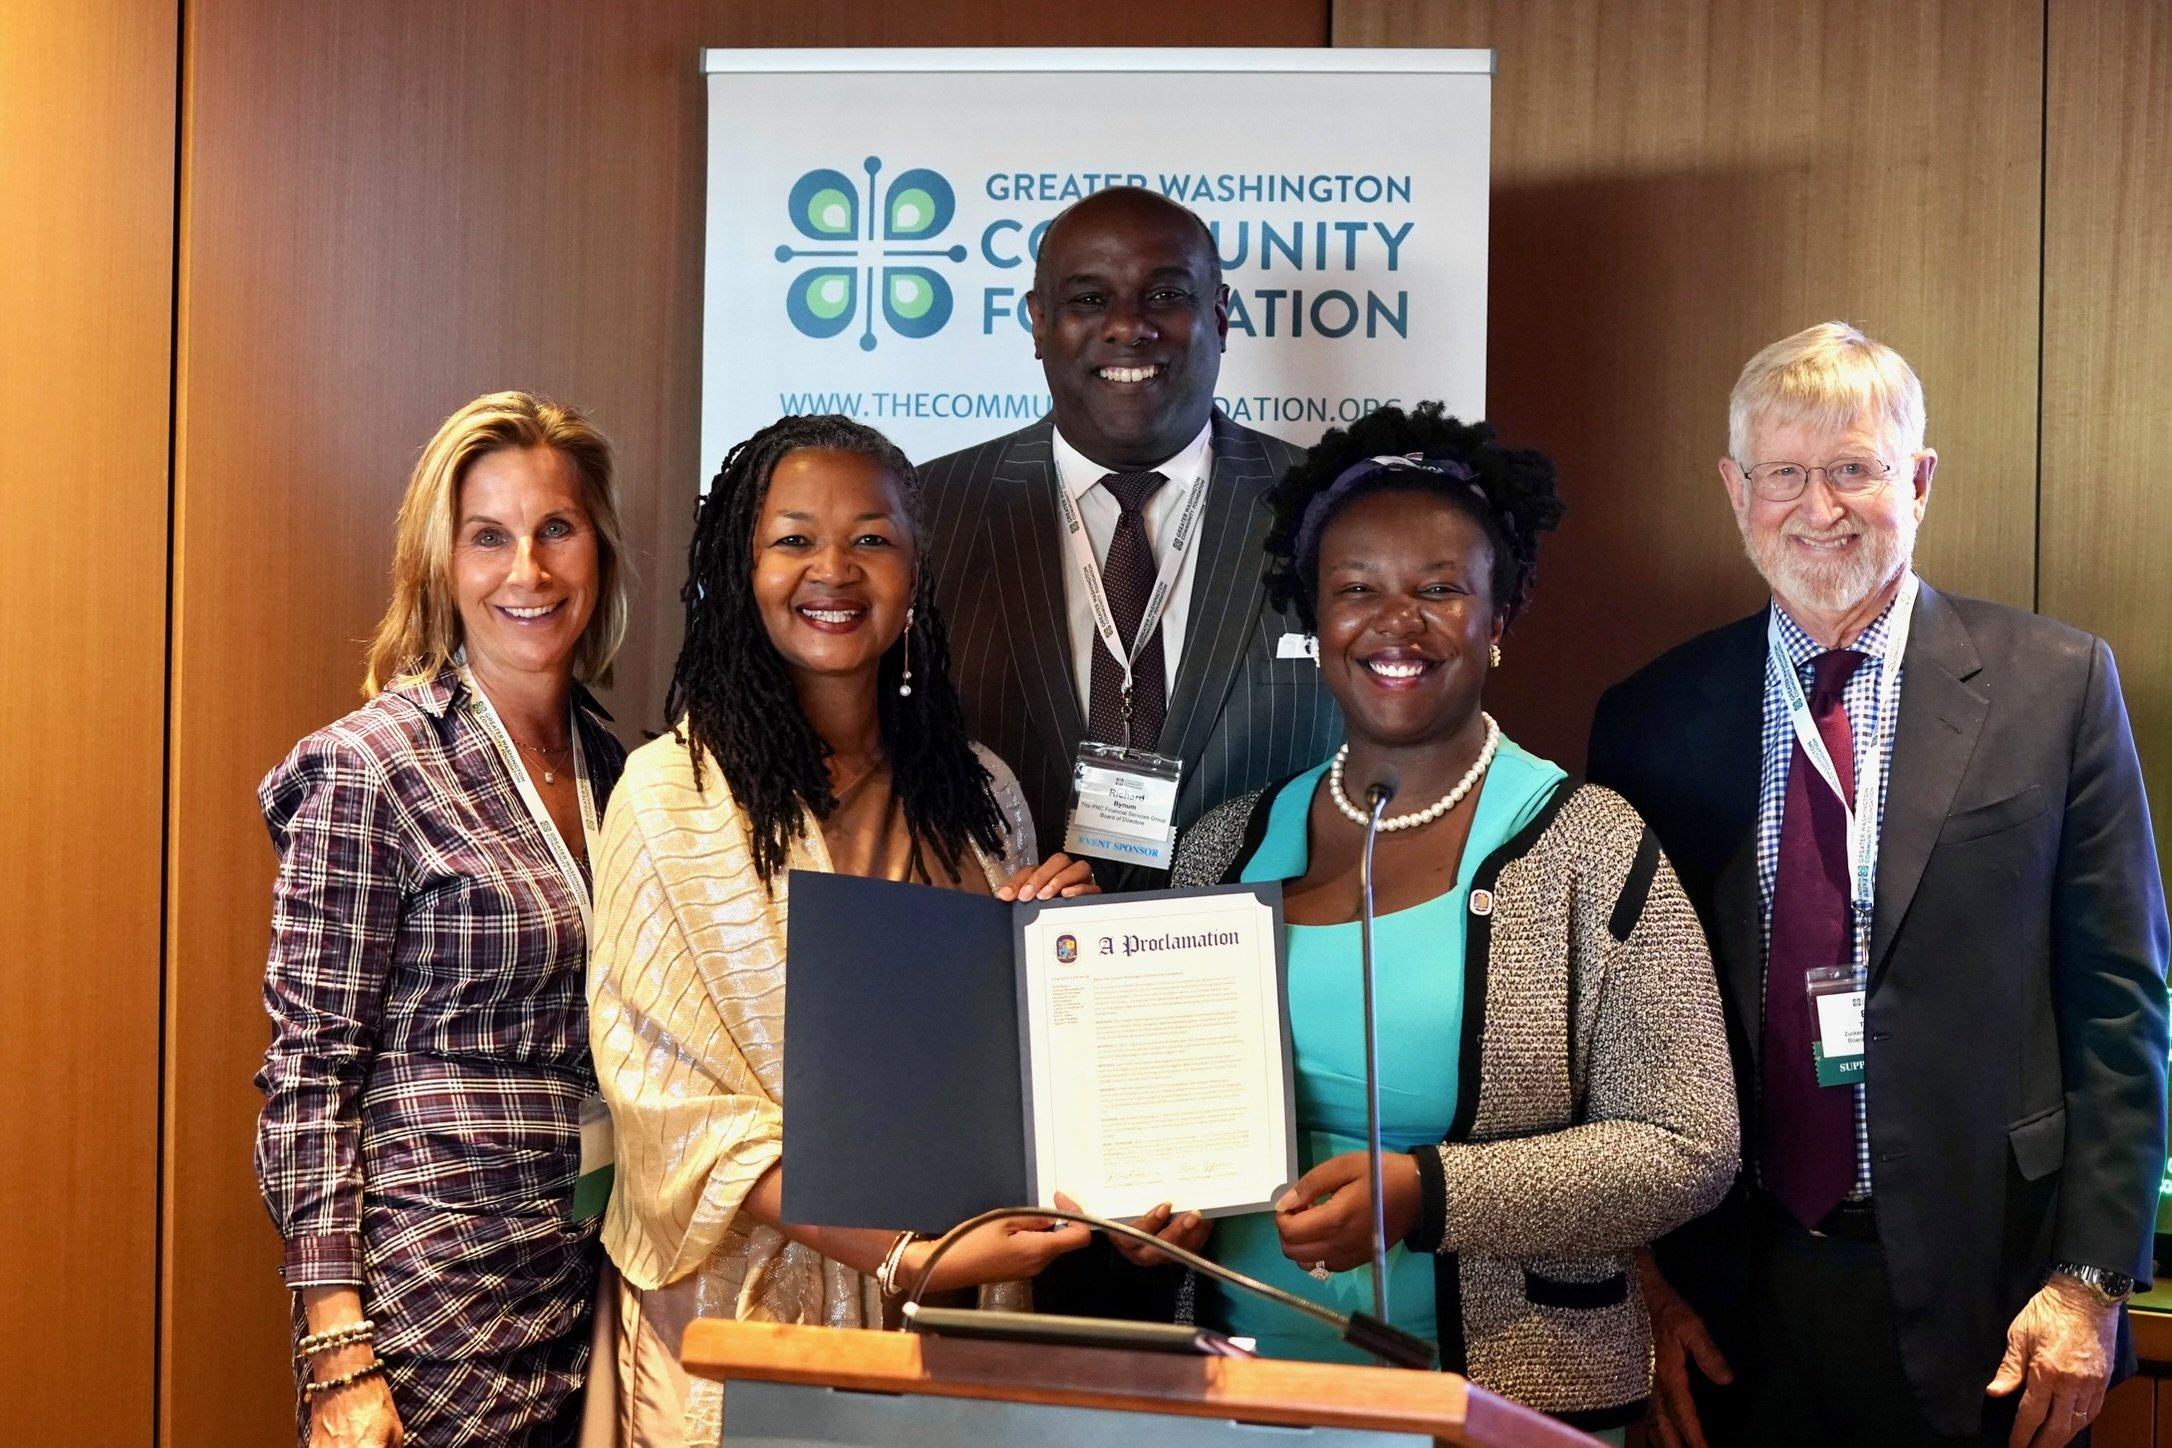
(1914, 827)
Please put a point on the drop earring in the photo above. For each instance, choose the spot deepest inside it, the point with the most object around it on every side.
(1493, 652)
(905, 678)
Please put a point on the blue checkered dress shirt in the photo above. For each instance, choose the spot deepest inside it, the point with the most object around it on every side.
(1860, 699)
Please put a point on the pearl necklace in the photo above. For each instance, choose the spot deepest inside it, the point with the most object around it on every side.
(1434, 811)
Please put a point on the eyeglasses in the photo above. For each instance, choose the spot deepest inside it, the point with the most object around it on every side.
(1784, 482)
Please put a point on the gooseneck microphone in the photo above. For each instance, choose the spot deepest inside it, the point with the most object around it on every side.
(1377, 795)
(1362, 1331)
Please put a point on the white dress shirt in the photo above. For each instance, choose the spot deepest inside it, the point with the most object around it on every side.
(1081, 477)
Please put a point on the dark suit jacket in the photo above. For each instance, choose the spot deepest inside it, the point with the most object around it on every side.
(2016, 1023)
(1239, 717)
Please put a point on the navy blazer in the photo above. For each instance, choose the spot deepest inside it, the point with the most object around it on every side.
(2016, 1022)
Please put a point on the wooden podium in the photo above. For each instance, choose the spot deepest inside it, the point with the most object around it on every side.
(994, 1392)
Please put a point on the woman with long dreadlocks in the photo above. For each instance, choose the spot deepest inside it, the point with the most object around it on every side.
(817, 729)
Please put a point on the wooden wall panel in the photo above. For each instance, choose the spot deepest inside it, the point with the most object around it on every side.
(2107, 506)
(87, 120)
(388, 209)
(1677, 183)
(761, 23)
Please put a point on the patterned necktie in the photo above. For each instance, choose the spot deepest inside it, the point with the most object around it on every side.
(1807, 1141)
(1127, 575)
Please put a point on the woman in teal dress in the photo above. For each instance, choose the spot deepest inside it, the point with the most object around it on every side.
(1555, 1087)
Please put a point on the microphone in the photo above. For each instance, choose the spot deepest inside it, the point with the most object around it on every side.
(1377, 796)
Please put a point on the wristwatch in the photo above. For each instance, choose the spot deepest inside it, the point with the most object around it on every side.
(2108, 1288)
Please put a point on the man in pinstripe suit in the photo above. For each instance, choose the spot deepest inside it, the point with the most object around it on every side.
(1129, 320)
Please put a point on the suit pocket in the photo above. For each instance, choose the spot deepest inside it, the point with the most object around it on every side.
(2039, 1143)
(1989, 819)
(1554, 1292)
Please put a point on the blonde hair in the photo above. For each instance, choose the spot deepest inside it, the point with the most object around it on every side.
(421, 629)
(1827, 375)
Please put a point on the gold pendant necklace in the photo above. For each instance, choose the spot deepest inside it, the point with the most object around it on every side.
(550, 774)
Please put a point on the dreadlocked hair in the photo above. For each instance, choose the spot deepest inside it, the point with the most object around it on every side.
(1515, 499)
(733, 694)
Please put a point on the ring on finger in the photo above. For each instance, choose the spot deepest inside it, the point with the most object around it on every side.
(1318, 1272)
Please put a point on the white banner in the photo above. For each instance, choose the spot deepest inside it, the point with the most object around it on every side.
(873, 217)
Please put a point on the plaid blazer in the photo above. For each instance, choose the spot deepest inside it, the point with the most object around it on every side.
(421, 1126)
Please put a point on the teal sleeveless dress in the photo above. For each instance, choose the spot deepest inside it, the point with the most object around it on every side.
(1418, 958)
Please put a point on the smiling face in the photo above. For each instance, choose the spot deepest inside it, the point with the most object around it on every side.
(1824, 552)
(834, 556)
(524, 562)
(1406, 615)
(1129, 327)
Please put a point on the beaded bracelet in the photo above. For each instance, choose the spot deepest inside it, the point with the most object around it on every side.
(331, 1337)
(886, 1274)
(314, 1390)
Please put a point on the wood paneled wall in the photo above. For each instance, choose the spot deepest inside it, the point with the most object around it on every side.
(86, 312)
(1677, 183)
(2107, 441)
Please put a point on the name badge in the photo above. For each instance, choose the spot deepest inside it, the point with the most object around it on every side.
(599, 1156)
(1836, 1013)
(1123, 805)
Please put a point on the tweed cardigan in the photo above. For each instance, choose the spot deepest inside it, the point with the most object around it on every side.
(1596, 1105)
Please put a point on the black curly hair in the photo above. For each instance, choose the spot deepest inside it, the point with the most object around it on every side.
(733, 695)
(1516, 499)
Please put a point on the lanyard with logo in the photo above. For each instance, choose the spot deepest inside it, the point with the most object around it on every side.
(592, 1188)
(1862, 811)
(1157, 601)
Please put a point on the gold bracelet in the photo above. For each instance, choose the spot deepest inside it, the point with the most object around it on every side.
(886, 1274)
(331, 1337)
(317, 1389)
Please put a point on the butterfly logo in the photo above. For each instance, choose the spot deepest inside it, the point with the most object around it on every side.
(871, 243)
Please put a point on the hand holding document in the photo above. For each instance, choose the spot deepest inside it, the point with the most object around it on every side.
(955, 1053)
(1156, 1055)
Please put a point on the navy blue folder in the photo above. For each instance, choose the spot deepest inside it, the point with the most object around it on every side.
(901, 1054)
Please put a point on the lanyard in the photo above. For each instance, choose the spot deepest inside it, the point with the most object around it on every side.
(1157, 602)
(1863, 810)
(495, 728)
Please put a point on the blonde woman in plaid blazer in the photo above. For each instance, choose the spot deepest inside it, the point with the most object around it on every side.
(421, 1128)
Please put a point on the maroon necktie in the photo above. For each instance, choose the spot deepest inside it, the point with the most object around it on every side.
(1127, 575)
(1807, 1142)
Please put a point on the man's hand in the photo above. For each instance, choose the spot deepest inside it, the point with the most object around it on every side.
(1057, 877)
(2061, 1346)
(1678, 1338)
(1188, 1230)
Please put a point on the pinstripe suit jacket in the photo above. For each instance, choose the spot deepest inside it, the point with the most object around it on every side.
(1239, 717)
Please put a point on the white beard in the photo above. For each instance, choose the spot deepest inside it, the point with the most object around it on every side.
(1837, 585)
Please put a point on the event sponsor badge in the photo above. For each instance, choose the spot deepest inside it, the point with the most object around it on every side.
(598, 1156)
(1298, 646)
(1123, 805)
(1836, 1010)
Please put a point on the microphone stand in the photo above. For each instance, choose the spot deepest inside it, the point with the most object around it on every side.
(1378, 795)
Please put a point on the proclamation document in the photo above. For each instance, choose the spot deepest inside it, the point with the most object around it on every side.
(1156, 1051)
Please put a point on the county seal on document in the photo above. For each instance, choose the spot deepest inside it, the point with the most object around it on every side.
(1156, 1050)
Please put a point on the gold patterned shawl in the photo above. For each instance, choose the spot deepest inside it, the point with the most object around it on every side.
(686, 1016)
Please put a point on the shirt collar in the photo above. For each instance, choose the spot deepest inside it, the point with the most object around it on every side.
(1801, 648)
(437, 694)
(1079, 473)
(434, 693)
